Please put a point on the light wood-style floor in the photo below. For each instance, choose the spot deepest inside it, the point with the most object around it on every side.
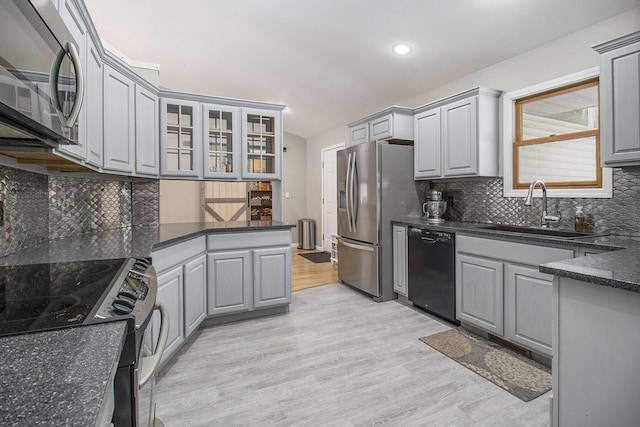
(307, 274)
(336, 359)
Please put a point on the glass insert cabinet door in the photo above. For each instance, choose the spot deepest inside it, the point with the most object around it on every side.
(180, 141)
(221, 135)
(262, 143)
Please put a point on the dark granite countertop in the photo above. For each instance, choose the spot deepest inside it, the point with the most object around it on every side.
(617, 268)
(60, 377)
(129, 242)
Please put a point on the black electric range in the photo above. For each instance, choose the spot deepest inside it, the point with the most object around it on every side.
(41, 297)
(38, 297)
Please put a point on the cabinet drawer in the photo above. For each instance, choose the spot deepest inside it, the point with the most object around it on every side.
(165, 258)
(247, 240)
(511, 251)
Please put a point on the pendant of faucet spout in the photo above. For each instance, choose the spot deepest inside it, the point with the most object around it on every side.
(528, 201)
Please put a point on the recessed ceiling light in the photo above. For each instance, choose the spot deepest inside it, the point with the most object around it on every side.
(401, 49)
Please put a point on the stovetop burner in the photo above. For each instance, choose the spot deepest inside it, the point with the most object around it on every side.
(47, 296)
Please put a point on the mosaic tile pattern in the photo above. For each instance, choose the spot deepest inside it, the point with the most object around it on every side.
(79, 206)
(480, 200)
(26, 209)
(39, 208)
(145, 203)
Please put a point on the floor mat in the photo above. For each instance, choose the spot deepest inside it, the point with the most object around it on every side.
(519, 375)
(317, 257)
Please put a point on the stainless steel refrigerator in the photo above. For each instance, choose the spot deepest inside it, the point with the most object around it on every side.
(375, 186)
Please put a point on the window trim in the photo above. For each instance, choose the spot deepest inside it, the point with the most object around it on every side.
(509, 131)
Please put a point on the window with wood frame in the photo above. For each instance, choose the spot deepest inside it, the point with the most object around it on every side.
(558, 138)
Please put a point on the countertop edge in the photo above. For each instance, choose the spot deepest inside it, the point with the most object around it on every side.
(557, 269)
(211, 228)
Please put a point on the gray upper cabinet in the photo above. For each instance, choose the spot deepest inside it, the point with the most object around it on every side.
(181, 138)
(620, 101)
(204, 137)
(147, 132)
(261, 144)
(94, 104)
(457, 136)
(394, 123)
(427, 159)
(460, 137)
(90, 130)
(72, 18)
(221, 136)
(359, 133)
(119, 121)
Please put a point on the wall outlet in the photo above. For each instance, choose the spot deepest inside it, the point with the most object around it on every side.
(450, 201)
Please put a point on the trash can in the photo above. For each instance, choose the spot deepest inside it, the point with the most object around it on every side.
(306, 234)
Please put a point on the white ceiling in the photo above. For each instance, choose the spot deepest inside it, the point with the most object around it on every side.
(330, 61)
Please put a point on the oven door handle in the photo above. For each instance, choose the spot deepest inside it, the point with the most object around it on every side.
(149, 364)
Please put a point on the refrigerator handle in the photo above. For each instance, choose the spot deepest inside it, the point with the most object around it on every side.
(354, 192)
(348, 191)
(354, 246)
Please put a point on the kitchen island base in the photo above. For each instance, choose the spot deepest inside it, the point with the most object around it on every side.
(596, 343)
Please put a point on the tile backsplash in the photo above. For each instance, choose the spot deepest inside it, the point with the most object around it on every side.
(39, 208)
(481, 200)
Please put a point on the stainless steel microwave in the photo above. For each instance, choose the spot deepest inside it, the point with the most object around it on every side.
(41, 83)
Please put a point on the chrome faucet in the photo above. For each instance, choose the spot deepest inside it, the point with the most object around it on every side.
(528, 201)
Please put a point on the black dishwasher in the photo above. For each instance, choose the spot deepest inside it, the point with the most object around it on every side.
(432, 284)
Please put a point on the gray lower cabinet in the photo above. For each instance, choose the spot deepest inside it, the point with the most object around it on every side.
(620, 100)
(195, 294)
(248, 271)
(528, 294)
(400, 260)
(479, 292)
(170, 294)
(181, 270)
(596, 346)
(271, 276)
(500, 289)
(222, 274)
(229, 282)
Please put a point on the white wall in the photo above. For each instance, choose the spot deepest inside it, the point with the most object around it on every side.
(294, 172)
(561, 57)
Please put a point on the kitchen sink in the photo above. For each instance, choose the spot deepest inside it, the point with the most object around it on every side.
(549, 232)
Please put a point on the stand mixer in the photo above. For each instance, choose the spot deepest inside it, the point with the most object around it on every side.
(434, 207)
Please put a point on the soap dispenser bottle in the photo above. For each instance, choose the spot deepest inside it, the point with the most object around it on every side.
(578, 222)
